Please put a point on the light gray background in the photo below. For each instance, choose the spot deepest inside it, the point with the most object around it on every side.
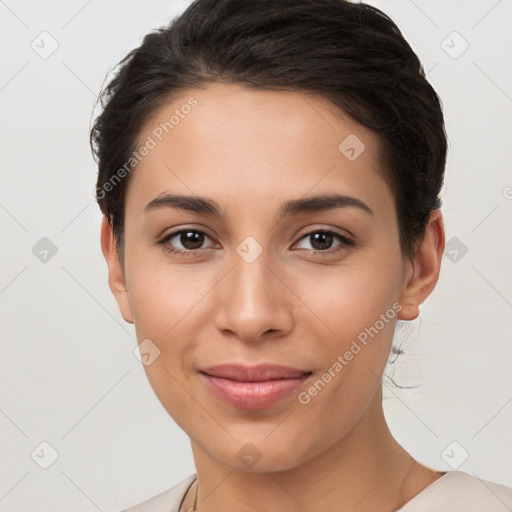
(67, 372)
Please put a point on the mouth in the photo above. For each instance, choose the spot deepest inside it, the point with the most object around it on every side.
(253, 388)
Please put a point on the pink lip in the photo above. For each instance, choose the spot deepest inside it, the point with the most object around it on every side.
(255, 387)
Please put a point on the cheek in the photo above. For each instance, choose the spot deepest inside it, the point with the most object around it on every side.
(167, 304)
(358, 321)
(349, 299)
(355, 310)
(338, 313)
(164, 297)
(171, 307)
(172, 303)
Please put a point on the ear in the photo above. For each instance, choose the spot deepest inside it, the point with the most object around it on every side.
(116, 277)
(423, 270)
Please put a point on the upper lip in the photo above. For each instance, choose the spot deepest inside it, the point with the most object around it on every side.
(260, 372)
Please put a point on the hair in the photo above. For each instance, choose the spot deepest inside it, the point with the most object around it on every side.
(351, 53)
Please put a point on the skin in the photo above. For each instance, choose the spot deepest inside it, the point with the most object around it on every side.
(251, 150)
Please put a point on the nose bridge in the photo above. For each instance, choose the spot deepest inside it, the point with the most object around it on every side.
(253, 300)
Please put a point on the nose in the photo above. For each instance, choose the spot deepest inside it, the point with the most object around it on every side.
(254, 301)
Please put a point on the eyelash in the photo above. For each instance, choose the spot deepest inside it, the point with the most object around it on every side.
(345, 242)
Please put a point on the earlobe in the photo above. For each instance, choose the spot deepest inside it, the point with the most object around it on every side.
(425, 267)
(116, 276)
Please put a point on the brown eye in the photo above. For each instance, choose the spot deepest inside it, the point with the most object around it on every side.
(191, 239)
(184, 241)
(322, 240)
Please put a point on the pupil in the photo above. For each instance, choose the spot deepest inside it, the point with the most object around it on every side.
(321, 241)
(192, 240)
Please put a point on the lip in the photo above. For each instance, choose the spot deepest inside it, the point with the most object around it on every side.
(253, 387)
(260, 372)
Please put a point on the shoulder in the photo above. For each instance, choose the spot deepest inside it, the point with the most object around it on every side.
(167, 501)
(457, 491)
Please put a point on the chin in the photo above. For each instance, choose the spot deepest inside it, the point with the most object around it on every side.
(258, 455)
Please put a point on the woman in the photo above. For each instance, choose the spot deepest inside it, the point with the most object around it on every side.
(269, 175)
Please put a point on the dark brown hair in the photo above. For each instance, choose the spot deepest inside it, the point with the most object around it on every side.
(351, 53)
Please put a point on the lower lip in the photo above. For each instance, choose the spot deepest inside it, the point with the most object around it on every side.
(253, 395)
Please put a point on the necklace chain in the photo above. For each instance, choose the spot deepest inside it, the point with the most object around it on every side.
(194, 508)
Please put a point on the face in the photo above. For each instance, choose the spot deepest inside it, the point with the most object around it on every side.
(317, 289)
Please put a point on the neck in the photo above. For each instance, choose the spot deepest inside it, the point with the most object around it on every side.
(365, 470)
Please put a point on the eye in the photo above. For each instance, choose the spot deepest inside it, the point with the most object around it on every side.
(191, 241)
(321, 241)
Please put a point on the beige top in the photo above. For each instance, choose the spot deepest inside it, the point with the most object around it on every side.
(455, 491)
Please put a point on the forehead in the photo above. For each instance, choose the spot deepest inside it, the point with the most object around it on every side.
(244, 141)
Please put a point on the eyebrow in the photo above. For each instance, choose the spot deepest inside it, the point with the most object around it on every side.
(288, 208)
